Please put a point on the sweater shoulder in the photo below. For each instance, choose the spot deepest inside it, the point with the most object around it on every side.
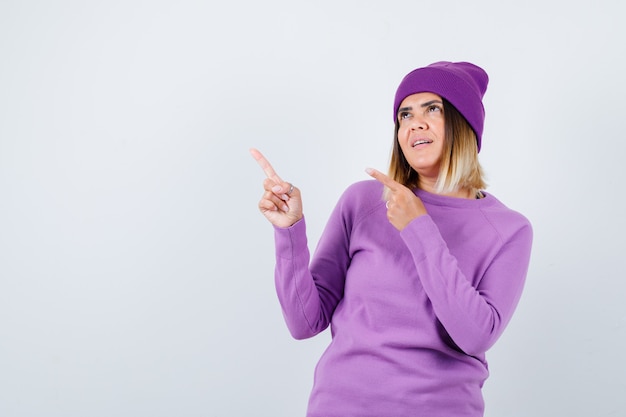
(505, 219)
(361, 199)
(366, 194)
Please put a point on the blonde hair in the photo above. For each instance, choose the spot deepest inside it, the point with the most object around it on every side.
(459, 167)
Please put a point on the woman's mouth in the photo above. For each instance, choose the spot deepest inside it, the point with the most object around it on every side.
(421, 142)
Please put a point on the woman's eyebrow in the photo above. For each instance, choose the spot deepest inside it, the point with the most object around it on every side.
(428, 103)
(431, 102)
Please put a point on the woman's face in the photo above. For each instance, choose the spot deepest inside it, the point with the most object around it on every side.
(422, 132)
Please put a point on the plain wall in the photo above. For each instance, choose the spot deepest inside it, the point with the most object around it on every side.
(136, 273)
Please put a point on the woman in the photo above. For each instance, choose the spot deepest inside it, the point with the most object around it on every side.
(418, 285)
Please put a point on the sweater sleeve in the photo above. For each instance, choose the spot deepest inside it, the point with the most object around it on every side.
(474, 317)
(309, 294)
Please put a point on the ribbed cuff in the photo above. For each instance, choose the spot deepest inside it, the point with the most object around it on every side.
(421, 236)
(291, 240)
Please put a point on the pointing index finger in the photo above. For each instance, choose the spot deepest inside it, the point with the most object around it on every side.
(265, 165)
(384, 179)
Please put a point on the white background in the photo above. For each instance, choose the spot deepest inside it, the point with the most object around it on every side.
(136, 273)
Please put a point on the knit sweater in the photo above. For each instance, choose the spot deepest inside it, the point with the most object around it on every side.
(412, 312)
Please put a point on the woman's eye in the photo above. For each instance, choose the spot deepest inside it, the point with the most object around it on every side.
(434, 108)
(403, 115)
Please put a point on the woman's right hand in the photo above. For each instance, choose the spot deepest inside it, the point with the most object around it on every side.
(281, 202)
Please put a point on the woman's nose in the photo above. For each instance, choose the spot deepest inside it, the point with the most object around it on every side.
(418, 123)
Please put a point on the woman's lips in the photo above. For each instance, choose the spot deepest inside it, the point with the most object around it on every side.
(421, 142)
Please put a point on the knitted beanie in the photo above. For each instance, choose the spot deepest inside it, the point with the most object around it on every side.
(461, 83)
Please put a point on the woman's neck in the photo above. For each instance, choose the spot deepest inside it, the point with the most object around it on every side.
(428, 185)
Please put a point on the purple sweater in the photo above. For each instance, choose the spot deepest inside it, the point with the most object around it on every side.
(412, 313)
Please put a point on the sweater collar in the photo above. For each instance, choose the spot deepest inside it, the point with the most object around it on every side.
(442, 200)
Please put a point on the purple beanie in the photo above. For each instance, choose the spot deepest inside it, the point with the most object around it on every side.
(461, 83)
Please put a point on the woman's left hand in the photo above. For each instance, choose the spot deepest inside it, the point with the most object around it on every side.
(403, 206)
